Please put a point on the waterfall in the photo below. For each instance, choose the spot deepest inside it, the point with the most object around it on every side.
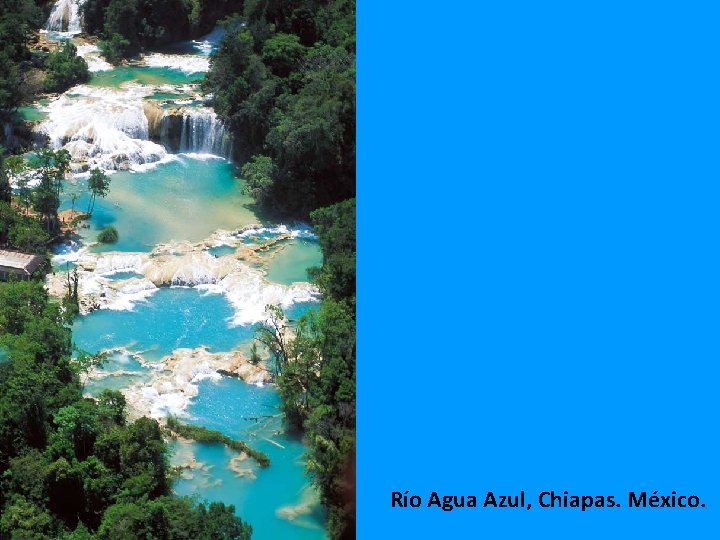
(195, 130)
(118, 129)
(102, 127)
(204, 133)
(65, 17)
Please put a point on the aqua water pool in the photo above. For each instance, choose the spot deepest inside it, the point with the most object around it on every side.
(290, 508)
(185, 199)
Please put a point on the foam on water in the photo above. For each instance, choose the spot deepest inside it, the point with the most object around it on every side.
(92, 56)
(207, 44)
(69, 252)
(31, 176)
(200, 157)
(250, 293)
(112, 263)
(103, 127)
(177, 376)
(300, 231)
(186, 63)
(203, 46)
(130, 294)
(246, 288)
(172, 318)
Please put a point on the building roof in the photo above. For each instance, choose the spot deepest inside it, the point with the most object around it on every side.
(25, 263)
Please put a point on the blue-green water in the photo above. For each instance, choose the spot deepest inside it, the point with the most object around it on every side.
(164, 95)
(172, 318)
(154, 76)
(123, 275)
(31, 114)
(113, 382)
(219, 251)
(184, 317)
(296, 311)
(185, 199)
(250, 413)
(291, 262)
(119, 371)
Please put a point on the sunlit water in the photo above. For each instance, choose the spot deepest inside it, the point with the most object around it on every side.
(186, 199)
(250, 413)
(291, 262)
(172, 318)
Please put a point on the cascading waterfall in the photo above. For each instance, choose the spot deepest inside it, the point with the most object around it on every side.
(102, 127)
(117, 129)
(195, 130)
(203, 132)
(65, 17)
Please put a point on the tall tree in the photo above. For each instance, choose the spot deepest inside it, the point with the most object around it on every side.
(274, 335)
(51, 168)
(17, 167)
(99, 186)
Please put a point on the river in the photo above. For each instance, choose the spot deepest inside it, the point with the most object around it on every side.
(188, 280)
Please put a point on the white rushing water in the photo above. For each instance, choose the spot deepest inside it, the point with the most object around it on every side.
(103, 127)
(204, 133)
(109, 128)
(65, 17)
(208, 43)
(92, 56)
(247, 289)
(195, 130)
(187, 63)
(295, 232)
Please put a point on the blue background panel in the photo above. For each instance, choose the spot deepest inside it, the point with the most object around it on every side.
(538, 232)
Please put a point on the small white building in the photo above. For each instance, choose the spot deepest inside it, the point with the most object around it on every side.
(18, 264)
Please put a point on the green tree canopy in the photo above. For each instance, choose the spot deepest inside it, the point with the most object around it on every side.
(99, 186)
(65, 69)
